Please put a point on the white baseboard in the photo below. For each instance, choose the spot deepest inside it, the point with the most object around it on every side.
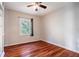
(19, 43)
(61, 46)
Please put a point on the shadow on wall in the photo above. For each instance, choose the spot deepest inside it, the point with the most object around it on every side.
(55, 41)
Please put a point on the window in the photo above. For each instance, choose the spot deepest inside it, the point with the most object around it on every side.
(26, 26)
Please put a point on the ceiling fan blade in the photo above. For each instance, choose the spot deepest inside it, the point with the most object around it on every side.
(29, 5)
(43, 6)
(38, 2)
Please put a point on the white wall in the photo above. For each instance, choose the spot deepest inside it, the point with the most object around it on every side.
(76, 14)
(11, 23)
(53, 29)
(59, 27)
(69, 28)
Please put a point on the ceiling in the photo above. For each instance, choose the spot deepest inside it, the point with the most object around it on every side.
(21, 7)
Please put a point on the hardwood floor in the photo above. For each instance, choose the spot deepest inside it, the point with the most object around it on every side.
(38, 49)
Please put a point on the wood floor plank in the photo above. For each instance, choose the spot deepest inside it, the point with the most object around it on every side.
(38, 49)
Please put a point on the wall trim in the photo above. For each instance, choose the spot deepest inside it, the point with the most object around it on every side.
(22, 43)
(61, 46)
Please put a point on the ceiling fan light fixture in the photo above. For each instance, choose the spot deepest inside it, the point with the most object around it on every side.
(36, 6)
(36, 9)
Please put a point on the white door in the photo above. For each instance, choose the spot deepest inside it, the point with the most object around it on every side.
(1, 30)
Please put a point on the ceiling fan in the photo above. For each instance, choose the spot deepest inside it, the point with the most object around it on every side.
(37, 5)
